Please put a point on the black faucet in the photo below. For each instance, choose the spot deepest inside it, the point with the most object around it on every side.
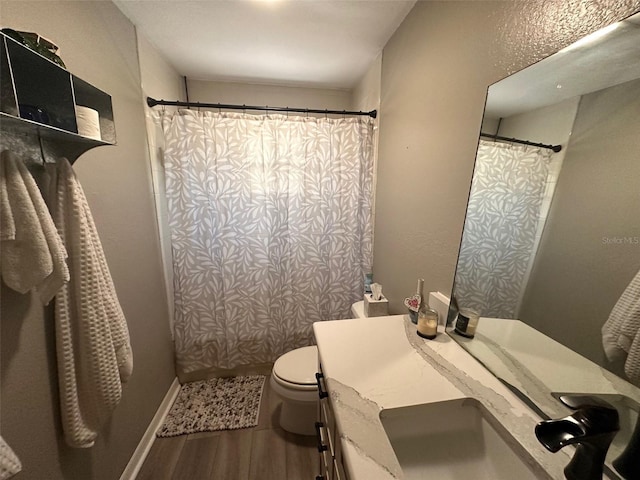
(592, 427)
(628, 463)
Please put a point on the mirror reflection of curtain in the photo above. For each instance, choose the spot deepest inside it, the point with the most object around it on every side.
(502, 227)
(270, 220)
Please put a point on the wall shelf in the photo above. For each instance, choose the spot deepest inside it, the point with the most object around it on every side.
(38, 101)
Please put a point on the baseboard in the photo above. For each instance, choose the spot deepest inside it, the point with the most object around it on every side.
(142, 450)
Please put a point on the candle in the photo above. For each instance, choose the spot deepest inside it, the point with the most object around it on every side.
(427, 323)
(467, 322)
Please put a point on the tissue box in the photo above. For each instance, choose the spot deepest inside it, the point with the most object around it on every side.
(375, 308)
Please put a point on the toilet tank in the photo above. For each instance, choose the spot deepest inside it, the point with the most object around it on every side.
(357, 309)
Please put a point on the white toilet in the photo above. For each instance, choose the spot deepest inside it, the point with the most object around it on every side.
(294, 380)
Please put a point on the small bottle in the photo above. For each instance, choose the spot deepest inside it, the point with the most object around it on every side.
(414, 315)
(368, 280)
(427, 323)
(467, 322)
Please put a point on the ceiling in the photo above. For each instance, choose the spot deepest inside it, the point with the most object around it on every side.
(608, 57)
(312, 43)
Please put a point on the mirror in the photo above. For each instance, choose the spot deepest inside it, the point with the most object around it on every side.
(551, 240)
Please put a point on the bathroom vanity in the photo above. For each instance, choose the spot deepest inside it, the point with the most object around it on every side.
(399, 406)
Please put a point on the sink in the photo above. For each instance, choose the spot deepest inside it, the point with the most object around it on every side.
(455, 439)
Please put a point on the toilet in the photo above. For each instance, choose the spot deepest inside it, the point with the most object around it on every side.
(293, 379)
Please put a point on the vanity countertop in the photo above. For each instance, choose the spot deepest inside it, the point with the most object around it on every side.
(371, 364)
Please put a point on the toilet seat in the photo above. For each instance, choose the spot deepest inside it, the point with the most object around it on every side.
(296, 369)
(293, 379)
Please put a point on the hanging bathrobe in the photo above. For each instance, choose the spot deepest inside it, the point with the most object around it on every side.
(9, 463)
(92, 338)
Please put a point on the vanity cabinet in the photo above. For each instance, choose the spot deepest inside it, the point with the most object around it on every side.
(39, 100)
(331, 466)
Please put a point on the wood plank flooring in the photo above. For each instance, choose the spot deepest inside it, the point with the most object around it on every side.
(264, 452)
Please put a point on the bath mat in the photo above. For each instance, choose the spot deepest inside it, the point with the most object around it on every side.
(215, 404)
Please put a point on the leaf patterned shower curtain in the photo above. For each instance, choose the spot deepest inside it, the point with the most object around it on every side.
(499, 238)
(271, 230)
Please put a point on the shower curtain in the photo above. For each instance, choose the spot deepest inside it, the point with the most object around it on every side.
(503, 216)
(271, 230)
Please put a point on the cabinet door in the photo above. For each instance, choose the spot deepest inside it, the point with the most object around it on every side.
(326, 455)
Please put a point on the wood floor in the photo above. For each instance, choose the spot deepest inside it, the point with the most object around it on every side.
(264, 452)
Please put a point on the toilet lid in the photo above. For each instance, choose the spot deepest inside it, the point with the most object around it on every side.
(298, 366)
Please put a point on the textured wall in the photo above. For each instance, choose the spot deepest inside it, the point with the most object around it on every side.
(435, 72)
(99, 45)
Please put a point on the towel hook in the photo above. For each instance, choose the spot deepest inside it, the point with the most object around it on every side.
(42, 155)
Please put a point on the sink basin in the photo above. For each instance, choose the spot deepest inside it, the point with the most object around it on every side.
(456, 439)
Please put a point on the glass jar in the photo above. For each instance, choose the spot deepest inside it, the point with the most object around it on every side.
(427, 323)
(467, 322)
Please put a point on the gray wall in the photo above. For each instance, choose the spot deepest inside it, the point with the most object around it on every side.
(273, 95)
(584, 262)
(435, 72)
(99, 45)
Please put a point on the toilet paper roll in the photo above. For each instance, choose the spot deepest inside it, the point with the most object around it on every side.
(88, 121)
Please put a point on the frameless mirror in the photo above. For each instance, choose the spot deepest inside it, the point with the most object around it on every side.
(551, 240)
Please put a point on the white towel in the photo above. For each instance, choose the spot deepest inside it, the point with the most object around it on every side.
(32, 253)
(7, 223)
(9, 462)
(92, 338)
(621, 332)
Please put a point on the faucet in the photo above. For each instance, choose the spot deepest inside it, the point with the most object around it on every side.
(592, 427)
(628, 463)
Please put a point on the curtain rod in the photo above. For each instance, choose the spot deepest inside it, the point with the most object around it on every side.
(555, 148)
(152, 102)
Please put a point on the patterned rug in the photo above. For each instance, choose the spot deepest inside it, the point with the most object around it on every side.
(216, 404)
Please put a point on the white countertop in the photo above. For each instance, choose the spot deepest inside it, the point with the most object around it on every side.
(376, 363)
(538, 365)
